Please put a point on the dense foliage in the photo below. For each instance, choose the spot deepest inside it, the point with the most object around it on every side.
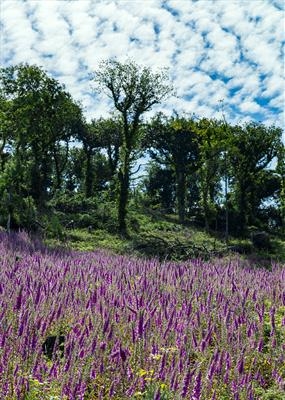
(124, 328)
(218, 175)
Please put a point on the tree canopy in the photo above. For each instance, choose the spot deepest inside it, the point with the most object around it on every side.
(204, 170)
(133, 90)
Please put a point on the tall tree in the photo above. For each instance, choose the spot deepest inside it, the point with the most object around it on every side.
(6, 130)
(74, 171)
(212, 145)
(173, 142)
(133, 90)
(280, 169)
(109, 134)
(159, 187)
(91, 143)
(97, 136)
(252, 147)
(42, 115)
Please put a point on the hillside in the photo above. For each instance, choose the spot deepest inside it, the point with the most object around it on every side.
(162, 237)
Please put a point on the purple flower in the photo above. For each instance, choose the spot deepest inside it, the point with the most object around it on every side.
(19, 299)
(196, 394)
(123, 354)
(240, 366)
(141, 324)
(103, 346)
(186, 383)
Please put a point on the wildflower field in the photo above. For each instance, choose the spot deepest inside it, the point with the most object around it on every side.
(124, 328)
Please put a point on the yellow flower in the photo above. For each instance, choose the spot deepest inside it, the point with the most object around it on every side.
(171, 349)
(142, 372)
(138, 394)
(156, 356)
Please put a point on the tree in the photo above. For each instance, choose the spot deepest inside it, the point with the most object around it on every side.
(97, 136)
(160, 187)
(280, 169)
(212, 146)
(133, 90)
(88, 136)
(6, 131)
(74, 171)
(173, 142)
(40, 116)
(109, 134)
(252, 148)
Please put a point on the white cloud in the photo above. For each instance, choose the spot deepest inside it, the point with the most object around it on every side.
(273, 85)
(278, 102)
(215, 50)
(250, 107)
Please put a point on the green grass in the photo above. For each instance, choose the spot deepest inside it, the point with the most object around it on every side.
(161, 236)
(259, 257)
(83, 240)
(149, 236)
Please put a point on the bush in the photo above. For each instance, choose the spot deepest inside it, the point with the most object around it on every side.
(22, 210)
(54, 227)
(73, 203)
(241, 248)
(261, 240)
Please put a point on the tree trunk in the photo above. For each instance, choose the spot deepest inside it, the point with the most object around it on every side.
(2, 155)
(88, 174)
(180, 195)
(282, 203)
(206, 208)
(58, 173)
(242, 208)
(36, 180)
(124, 183)
(113, 159)
(60, 164)
(123, 201)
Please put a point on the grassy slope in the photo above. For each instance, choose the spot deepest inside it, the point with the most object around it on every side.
(163, 237)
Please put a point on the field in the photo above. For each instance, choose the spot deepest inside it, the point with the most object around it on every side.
(91, 325)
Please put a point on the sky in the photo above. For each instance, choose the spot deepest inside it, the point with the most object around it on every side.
(224, 57)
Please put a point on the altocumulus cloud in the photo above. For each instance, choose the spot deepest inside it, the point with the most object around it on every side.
(214, 49)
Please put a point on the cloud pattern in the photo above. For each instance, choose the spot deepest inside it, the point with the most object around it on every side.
(215, 49)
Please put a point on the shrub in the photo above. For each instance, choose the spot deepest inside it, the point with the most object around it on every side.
(261, 240)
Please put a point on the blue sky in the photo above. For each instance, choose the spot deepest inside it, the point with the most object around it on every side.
(230, 50)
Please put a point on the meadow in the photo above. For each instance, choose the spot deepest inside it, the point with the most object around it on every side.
(129, 328)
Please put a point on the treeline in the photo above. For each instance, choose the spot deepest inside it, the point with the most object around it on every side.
(221, 176)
